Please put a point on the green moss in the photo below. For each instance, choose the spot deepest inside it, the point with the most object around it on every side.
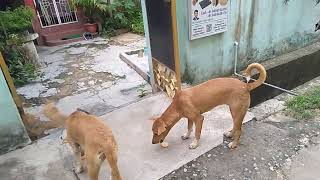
(305, 106)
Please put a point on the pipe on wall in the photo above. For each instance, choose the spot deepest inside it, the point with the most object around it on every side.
(236, 45)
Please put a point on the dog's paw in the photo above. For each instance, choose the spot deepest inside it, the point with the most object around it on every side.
(164, 144)
(228, 134)
(78, 169)
(194, 144)
(185, 137)
(232, 145)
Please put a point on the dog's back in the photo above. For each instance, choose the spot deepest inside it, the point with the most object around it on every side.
(91, 135)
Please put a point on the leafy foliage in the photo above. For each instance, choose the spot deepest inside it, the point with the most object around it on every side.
(92, 9)
(142, 91)
(20, 69)
(137, 24)
(14, 23)
(17, 20)
(305, 106)
(125, 14)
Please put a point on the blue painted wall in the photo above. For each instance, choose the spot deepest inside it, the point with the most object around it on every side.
(263, 28)
(12, 131)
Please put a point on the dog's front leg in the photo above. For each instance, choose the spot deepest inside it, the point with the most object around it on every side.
(198, 123)
(188, 133)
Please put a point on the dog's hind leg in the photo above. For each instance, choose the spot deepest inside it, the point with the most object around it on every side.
(188, 133)
(238, 114)
(94, 161)
(112, 159)
(229, 134)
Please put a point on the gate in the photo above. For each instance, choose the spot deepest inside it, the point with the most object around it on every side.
(55, 12)
(162, 25)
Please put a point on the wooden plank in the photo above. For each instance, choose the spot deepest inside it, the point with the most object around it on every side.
(175, 42)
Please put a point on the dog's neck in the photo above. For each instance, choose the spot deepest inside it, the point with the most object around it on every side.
(170, 116)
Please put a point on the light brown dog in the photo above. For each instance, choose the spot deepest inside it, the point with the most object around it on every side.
(90, 138)
(192, 102)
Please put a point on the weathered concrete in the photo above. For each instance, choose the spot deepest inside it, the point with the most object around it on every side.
(276, 146)
(86, 75)
(306, 165)
(139, 64)
(138, 158)
(46, 159)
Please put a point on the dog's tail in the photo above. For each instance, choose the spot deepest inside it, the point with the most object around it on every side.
(262, 76)
(53, 113)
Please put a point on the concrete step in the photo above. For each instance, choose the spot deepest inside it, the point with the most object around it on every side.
(62, 33)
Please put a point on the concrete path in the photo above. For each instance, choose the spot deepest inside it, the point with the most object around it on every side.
(86, 74)
(46, 159)
(138, 158)
(274, 147)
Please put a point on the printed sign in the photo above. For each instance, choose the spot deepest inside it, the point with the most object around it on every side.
(207, 17)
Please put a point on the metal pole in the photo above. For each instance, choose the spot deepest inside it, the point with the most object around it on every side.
(267, 84)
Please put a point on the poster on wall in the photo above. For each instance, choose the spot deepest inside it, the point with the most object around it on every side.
(207, 17)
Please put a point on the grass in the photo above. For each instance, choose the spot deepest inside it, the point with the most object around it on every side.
(73, 36)
(305, 106)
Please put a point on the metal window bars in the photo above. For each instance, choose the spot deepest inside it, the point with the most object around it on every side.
(55, 12)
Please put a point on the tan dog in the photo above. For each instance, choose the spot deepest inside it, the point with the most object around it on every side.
(192, 102)
(89, 137)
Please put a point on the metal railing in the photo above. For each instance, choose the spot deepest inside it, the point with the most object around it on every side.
(55, 12)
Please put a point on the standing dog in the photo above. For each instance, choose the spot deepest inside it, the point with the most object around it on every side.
(89, 137)
(194, 101)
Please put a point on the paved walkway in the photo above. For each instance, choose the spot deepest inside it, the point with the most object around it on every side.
(138, 158)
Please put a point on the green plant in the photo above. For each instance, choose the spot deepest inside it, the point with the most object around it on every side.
(14, 24)
(137, 24)
(142, 92)
(125, 14)
(20, 69)
(304, 106)
(92, 9)
(16, 21)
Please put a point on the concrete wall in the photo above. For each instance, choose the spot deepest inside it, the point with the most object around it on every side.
(12, 131)
(263, 28)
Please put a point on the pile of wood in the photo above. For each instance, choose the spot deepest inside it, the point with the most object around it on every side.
(165, 78)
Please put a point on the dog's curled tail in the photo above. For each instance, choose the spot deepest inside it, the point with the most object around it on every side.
(262, 75)
(53, 113)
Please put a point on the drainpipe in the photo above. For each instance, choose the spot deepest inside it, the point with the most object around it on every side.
(236, 44)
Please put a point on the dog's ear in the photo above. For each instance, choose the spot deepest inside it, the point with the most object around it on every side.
(161, 127)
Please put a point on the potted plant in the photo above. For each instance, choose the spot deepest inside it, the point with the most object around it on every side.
(92, 10)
